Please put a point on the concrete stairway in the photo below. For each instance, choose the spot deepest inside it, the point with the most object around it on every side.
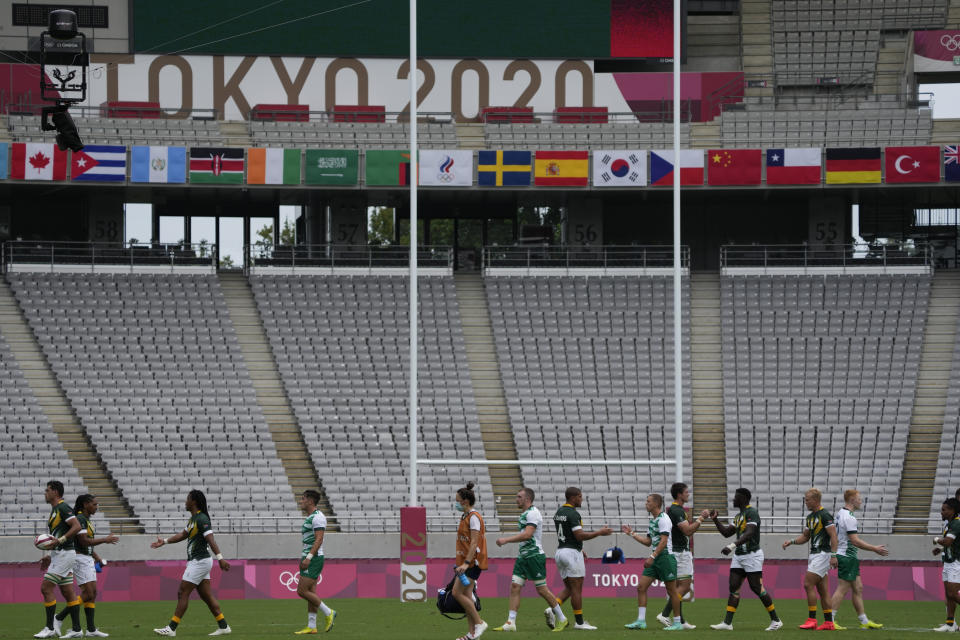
(945, 131)
(55, 405)
(470, 135)
(235, 134)
(890, 64)
(709, 460)
(953, 15)
(271, 395)
(926, 424)
(488, 390)
(757, 44)
(713, 43)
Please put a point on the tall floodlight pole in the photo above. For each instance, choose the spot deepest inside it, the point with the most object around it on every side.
(414, 178)
(677, 347)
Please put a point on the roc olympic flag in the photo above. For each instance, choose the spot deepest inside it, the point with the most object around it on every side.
(912, 164)
(561, 168)
(210, 165)
(388, 168)
(691, 167)
(620, 168)
(273, 166)
(794, 166)
(733, 166)
(859, 165)
(99, 163)
(158, 164)
(442, 168)
(504, 168)
(38, 161)
(951, 163)
(332, 166)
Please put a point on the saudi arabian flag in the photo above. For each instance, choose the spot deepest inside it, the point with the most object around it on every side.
(332, 166)
(388, 168)
(273, 166)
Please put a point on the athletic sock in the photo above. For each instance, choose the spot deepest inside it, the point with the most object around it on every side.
(667, 609)
(773, 612)
(863, 618)
(312, 620)
(949, 621)
(174, 623)
(641, 613)
(728, 619)
(828, 615)
(221, 621)
(50, 608)
(75, 614)
(89, 608)
(559, 601)
(324, 609)
(578, 615)
(767, 602)
(812, 612)
(677, 620)
(558, 612)
(63, 613)
(512, 616)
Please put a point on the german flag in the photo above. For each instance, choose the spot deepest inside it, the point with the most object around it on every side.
(860, 165)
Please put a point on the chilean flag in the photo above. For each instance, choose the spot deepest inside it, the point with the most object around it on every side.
(661, 167)
(794, 166)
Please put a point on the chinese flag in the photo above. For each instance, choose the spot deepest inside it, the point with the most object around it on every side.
(733, 166)
(912, 164)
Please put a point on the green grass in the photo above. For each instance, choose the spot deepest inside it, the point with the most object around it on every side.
(391, 619)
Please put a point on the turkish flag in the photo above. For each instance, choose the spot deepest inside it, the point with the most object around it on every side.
(734, 166)
(912, 164)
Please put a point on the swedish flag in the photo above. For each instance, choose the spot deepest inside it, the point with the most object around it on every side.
(504, 168)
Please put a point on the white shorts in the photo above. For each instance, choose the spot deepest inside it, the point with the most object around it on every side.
(951, 571)
(684, 564)
(62, 563)
(819, 563)
(749, 562)
(84, 570)
(570, 563)
(198, 570)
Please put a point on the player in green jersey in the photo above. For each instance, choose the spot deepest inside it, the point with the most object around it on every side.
(569, 556)
(199, 536)
(747, 561)
(58, 566)
(85, 569)
(661, 565)
(848, 565)
(680, 535)
(311, 562)
(821, 531)
(531, 562)
(948, 544)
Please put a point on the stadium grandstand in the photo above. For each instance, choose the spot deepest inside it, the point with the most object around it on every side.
(254, 339)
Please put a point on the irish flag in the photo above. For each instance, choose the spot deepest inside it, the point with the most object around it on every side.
(273, 166)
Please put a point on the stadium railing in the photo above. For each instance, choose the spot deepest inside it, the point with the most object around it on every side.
(114, 256)
(840, 255)
(343, 256)
(129, 112)
(576, 257)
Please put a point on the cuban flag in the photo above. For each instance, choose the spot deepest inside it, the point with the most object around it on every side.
(620, 168)
(99, 163)
(951, 163)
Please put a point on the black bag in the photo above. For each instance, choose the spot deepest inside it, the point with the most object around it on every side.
(447, 604)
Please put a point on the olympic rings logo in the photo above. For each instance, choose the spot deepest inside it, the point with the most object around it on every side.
(950, 42)
(291, 580)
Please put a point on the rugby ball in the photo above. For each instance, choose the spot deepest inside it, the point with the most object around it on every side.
(45, 542)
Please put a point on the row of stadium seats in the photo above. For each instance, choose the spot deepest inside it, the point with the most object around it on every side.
(824, 366)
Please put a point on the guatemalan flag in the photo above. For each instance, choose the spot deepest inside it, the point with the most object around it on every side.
(99, 163)
(158, 164)
(794, 166)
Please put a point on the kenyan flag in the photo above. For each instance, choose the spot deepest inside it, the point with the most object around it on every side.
(210, 165)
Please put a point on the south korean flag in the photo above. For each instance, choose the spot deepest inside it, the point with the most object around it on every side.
(620, 168)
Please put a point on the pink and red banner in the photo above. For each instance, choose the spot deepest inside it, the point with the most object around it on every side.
(380, 578)
(936, 50)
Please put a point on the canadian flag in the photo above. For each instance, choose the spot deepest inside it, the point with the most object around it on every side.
(38, 161)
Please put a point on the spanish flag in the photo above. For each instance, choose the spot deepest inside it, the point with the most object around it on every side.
(561, 169)
(859, 165)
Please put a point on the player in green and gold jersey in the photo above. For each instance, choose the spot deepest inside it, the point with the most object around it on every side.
(85, 569)
(661, 565)
(569, 556)
(747, 562)
(58, 566)
(948, 544)
(199, 536)
(680, 535)
(821, 531)
(311, 562)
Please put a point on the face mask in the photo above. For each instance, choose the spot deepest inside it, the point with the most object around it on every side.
(458, 507)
